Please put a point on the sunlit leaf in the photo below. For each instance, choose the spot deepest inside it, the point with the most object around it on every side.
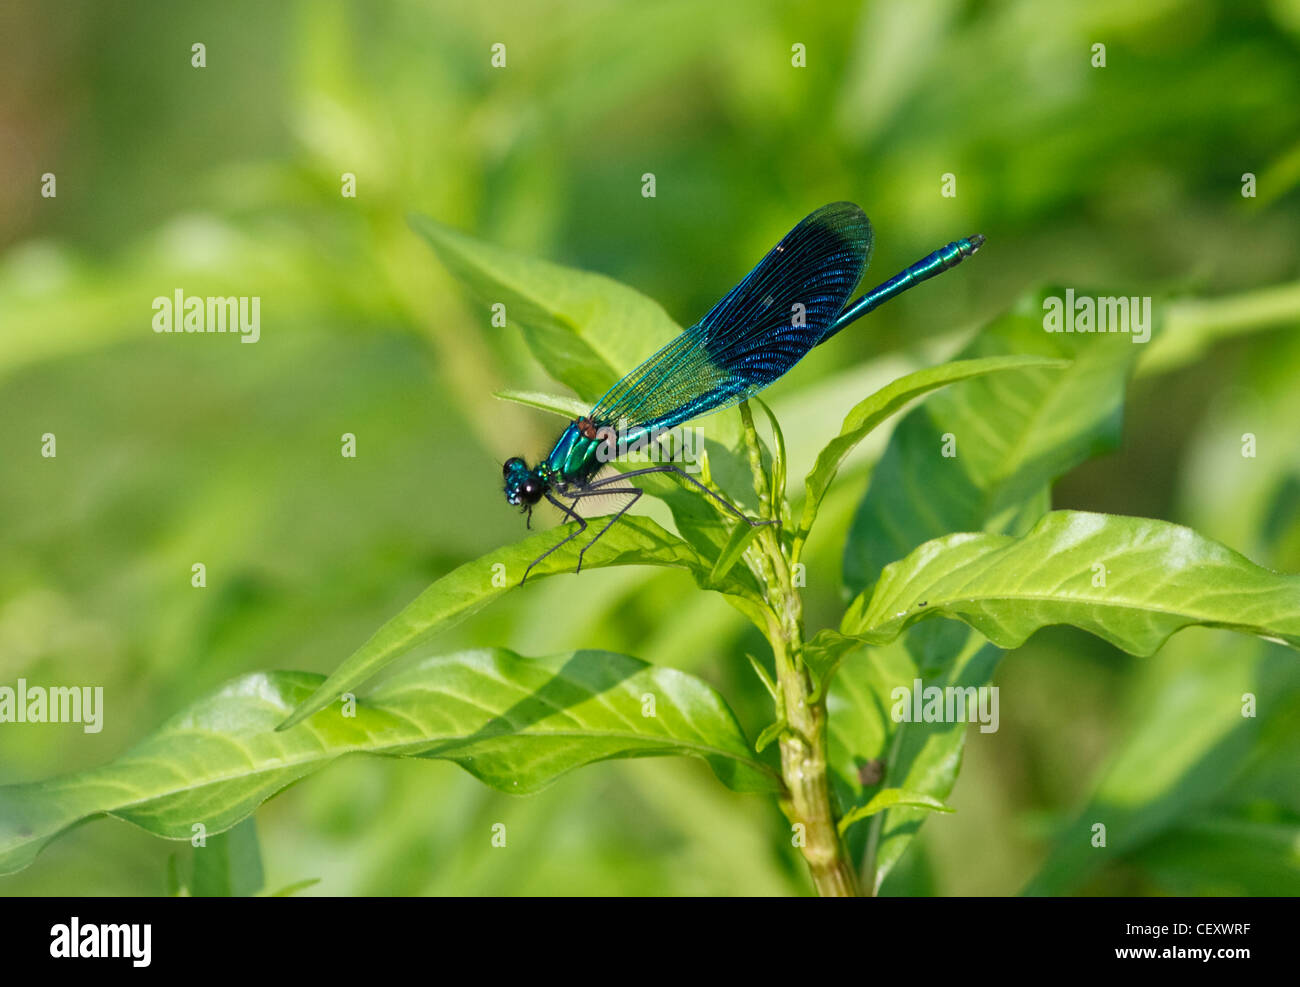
(778, 478)
(1130, 581)
(979, 455)
(587, 330)
(873, 410)
(514, 723)
(742, 533)
(888, 798)
(472, 586)
(557, 404)
(972, 455)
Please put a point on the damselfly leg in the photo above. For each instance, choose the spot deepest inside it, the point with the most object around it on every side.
(569, 512)
(606, 487)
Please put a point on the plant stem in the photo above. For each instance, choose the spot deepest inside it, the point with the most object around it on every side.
(803, 766)
(803, 742)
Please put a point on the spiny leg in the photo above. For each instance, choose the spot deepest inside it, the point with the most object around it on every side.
(636, 493)
(564, 541)
(605, 486)
(569, 511)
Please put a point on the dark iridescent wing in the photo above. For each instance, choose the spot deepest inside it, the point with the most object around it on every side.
(756, 333)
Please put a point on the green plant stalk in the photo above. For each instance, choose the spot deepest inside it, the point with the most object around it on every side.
(803, 741)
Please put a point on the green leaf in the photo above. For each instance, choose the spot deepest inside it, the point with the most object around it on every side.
(557, 404)
(1191, 754)
(514, 723)
(472, 586)
(172, 885)
(587, 330)
(778, 460)
(1207, 854)
(1010, 433)
(888, 798)
(868, 749)
(872, 411)
(769, 734)
(765, 678)
(823, 655)
(1014, 433)
(1159, 578)
(229, 864)
(289, 890)
(742, 533)
(1130, 581)
(701, 521)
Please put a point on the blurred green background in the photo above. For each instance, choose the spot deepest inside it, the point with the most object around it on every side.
(225, 180)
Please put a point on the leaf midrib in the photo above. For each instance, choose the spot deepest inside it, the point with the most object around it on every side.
(388, 749)
(511, 283)
(1106, 604)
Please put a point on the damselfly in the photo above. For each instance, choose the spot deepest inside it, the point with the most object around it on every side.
(795, 299)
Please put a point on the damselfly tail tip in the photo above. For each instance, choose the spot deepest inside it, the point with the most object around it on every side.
(975, 242)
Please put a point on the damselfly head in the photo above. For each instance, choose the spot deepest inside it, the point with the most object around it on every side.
(524, 487)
